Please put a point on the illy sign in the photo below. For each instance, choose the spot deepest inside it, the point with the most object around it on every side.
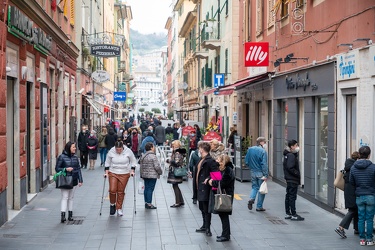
(256, 54)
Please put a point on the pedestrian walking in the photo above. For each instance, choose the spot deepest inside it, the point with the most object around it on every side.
(149, 138)
(198, 132)
(119, 166)
(292, 177)
(126, 138)
(160, 135)
(176, 161)
(102, 146)
(362, 176)
(193, 163)
(350, 197)
(217, 148)
(69, 161)
(150, 172)
(205, 166)
(227, 187)
(256, 160)
(175, 131)
(168, 129)
(92, 146)
(82, 145)
(110, 138)
(233, 132)
(136, 141)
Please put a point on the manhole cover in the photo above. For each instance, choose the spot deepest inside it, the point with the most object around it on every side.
(276, 220)
(74, 222)
(11, 236)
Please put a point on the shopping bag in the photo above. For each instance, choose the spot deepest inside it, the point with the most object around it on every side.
(216, 176)
(223, 202)
(339, 180)
(263, 188)
(141, 187)
(63, 181)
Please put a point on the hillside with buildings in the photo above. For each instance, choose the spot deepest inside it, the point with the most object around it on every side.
(143, 43)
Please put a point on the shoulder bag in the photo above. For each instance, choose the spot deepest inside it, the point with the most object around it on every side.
(339, 180)
(62, 180)
(223, 202)
(180, 171)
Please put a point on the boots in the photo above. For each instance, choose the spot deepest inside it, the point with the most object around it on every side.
(70, 216)
(63, 219)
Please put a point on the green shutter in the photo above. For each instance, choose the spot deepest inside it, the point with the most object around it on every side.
(209, 77)
(202, 78)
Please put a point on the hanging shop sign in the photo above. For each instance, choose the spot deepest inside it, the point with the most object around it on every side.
(105, 50)
(100, 76)
(22, 27)
(119, 96)
(256, 54)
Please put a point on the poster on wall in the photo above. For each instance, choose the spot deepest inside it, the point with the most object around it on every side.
(235, 115)
(348, 65)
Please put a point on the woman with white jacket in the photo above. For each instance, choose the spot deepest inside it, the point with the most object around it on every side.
(119, 166)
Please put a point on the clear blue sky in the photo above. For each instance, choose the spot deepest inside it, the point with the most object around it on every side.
(150, 16)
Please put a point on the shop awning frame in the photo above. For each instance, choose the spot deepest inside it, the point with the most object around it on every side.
(188, 109)
(92, 104)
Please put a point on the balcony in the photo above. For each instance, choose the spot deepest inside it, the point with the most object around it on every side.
(210, 38)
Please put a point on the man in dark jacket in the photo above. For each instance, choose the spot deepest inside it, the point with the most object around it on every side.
(169, 129)
(193, 163)
(205, 166)
(362, 176)
(292, 176)
(110, 139)
(160, 135)
(82, 145)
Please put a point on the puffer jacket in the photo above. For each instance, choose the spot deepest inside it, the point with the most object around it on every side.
(65, 160)
(291, 167)
(219, 151)
(362, 176)
(150, 167)
(149, 138)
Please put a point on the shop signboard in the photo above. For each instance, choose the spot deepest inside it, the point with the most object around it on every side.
(119, 96)
(105, 50)
(100, 76)
(348, 66)
(212, 135)
(186, 130)
(256, 54)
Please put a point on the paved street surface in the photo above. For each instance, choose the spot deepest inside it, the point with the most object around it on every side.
(38, 225)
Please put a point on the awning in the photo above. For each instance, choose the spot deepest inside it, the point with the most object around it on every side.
(242, 83)
(91, 102)
(210, 91)
(188, 109)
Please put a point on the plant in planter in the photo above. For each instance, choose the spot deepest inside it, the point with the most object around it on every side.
(85, 53)
(141, 110)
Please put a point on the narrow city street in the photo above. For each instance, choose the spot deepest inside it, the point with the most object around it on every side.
(38, 225)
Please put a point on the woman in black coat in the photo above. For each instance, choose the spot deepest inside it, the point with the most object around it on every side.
(350, 200)
(227, 187)
(69, 161)
(92, 145)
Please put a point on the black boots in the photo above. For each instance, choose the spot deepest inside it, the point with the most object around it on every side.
(70, 216)
(63, 219)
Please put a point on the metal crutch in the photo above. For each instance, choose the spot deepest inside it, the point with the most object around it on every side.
(101, 206)
(135, 199)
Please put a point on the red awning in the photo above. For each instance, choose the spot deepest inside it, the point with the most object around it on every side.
(242, 83)
(225, 92)
(210, 91)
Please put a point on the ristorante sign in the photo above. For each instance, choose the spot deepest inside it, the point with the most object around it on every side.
(21, 26)
(106, 50)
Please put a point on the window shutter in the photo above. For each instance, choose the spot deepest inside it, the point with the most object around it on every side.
(72, 12)
(208, 77)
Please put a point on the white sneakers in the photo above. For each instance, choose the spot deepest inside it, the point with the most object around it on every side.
(119, 212)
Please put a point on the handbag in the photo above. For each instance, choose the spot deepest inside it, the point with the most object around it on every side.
(62, 180)
(141, 187)
(180, 172)
(263, 189)
(223, 202)
(339, 180)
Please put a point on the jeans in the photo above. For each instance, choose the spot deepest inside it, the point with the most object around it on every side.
(149, 189)
(255, 185)
(290, 198)
(103, 154)
(366, 205)
(67, 196)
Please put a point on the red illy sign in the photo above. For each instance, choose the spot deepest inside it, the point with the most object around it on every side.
(256, 54)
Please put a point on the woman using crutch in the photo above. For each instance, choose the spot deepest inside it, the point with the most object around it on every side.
(119, 166)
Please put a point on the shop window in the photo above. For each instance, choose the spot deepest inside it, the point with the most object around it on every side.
(322, 148)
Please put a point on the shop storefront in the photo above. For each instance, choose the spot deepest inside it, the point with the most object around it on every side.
(304, 110)
(355, 105)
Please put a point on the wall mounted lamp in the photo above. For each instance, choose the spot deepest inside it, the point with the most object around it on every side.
(368, 40)
(350, 45)
(290, 56)
(278, 62)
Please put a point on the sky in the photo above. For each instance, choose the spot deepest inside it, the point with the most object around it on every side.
(150, 16)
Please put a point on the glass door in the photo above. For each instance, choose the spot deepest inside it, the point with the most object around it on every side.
(321, 148)
(351, 121)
